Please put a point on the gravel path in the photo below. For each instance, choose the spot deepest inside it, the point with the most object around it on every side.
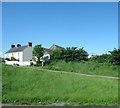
(75, 73)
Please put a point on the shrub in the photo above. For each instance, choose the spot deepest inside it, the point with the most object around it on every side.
(14, 64)
(13, 59)
(7, 59)
(70, 54)
(38, 52)
(17, 64)
(115, 56)
(101, 58)
(2, 60)
(31, 64)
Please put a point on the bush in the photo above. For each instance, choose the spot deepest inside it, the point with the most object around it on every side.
(70, 54)
(13, 59)
(38, 52)
(2, 60)
(101, 58)
(7, 59)
(31, 64)
(38, 63)
(115, 56)
(16, 64)
(56, 55)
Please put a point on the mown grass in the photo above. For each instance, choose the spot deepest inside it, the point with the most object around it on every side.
(24, 85)
(88, 67)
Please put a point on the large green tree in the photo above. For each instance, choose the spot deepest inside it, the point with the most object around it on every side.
(70, 54)
(38, 52)
(56, 55)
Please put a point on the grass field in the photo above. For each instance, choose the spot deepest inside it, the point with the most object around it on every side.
(105, 69)
(23, 85)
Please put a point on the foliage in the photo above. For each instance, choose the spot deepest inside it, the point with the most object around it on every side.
(101, 58)
(2, 59)
(31, 64)
(12, 59)
(56, 55)
(115, 58)
(74, 55)
(85, 67)
(32, 86)
(70, 54)
(38, 52)
(7, 59)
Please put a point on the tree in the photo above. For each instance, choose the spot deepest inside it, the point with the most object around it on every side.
(115, 56)
(56, 55)
(70, 54)
(83, 55)
(101, 58)
(38, 52)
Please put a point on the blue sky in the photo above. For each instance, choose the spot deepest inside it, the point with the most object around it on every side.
(92, 25)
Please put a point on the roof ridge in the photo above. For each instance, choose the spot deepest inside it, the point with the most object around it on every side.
(17, 49)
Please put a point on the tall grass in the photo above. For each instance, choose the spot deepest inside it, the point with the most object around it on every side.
(23, 85)
(87, 67)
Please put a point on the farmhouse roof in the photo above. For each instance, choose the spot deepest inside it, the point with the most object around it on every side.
(54, 47)
(46, 50)
(17, 49)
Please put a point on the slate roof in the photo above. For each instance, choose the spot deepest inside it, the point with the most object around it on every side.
(54, 47)
(46, 50)
(17, 49)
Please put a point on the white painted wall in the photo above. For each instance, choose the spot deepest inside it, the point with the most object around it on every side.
(24, 63)
(20, 57)
(16, 55)
(11, 62)
(27, 54)
(8, 55)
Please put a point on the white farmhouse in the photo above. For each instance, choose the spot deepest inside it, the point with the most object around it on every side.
(23, 54)
(20, 53)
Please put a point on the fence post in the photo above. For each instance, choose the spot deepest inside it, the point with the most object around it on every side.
(42, 63)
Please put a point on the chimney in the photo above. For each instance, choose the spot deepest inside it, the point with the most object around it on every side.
(12, 46)
(18, 45)
(30, 44)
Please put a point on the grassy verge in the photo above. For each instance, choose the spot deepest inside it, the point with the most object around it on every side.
(105, 69)
(23, 85)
